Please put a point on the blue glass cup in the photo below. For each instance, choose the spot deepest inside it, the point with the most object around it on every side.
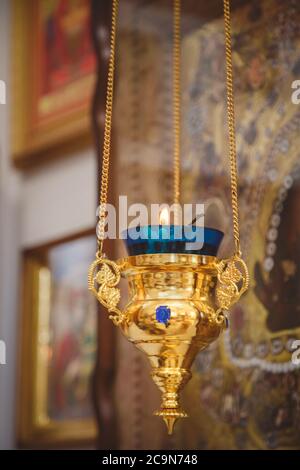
(152, 239)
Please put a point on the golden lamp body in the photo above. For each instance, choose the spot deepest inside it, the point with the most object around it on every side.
(196, 289)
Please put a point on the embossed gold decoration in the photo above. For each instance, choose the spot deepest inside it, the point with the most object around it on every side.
(177, 302)
(231, 274)
(106, 275)
(197, 290)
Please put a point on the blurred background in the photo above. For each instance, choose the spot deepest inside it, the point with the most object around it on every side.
(67, 378)
(47, 201)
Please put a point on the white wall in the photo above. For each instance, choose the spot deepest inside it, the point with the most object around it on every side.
(46, 203)
(58, 199)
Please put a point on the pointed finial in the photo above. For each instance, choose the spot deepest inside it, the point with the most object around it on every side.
(170, 421)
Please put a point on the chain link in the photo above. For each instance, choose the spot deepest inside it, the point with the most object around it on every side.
(176, 119)
(176, 100)
(231, 128)
(107, 129)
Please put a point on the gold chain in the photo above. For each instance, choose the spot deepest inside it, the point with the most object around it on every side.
(231, 128)
(176, 100)
(176, 119)
(107, 129)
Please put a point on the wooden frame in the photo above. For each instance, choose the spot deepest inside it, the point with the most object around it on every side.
(35, 427)
(38, 136)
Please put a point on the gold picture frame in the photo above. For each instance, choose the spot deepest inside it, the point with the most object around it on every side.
(40, 424)
(53, 75)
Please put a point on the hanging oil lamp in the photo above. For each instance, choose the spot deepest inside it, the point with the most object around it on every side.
(178, 294)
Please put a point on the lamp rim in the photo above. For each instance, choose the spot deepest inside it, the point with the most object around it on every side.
(163, 261)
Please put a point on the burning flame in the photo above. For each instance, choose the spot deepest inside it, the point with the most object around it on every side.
(164, 217)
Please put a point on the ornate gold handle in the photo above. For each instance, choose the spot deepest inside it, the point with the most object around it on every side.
(103, 277)
(233, 281)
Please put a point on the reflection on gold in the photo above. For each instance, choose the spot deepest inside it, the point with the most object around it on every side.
(175, 310)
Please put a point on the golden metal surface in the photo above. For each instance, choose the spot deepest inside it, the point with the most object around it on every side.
(231, 128)
(194, 288)
(107, 127)
(233, 280)
(176, 101)
(103, 277)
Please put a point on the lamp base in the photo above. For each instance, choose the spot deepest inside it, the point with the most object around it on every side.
(171, 315)
(170, 381)
(175, 310)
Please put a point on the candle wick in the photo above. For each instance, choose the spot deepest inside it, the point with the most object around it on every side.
(195, 219)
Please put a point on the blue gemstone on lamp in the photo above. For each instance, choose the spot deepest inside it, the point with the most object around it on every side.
(163, 314)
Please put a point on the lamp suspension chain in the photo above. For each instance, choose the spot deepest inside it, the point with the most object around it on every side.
(231, 128)
(107, 130)
(176, 118)
(176, 100)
